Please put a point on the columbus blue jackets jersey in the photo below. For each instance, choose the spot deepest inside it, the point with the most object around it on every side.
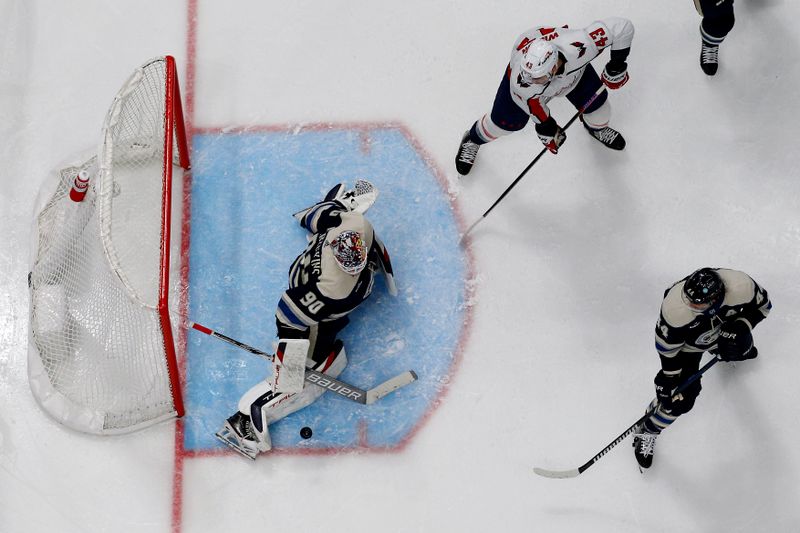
(319, 290)
(681, 328)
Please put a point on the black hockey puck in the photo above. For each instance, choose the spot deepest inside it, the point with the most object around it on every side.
(306, 432)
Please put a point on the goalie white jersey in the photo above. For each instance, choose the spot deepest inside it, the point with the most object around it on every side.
(578, 47)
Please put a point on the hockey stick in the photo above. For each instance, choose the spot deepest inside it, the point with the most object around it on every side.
(325, 381)
(562, 474)
(535, 159)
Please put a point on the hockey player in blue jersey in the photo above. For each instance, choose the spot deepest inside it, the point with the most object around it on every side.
(718, 21)
(329, 280)
(714, 310)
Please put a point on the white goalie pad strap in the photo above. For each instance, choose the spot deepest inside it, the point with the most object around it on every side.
(289, 366)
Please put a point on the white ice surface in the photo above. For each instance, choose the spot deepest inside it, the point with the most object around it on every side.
(570, 267)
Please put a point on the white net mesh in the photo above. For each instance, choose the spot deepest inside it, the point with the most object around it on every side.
(99, 358)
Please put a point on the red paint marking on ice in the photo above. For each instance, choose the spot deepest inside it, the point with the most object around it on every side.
(183, 303)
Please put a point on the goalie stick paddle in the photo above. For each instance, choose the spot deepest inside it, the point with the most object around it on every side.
(575, 472)
(351, 392)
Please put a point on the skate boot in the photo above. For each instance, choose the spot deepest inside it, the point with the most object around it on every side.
(467, 152)
(608, 136)
(238, 434)
(644, 445)
(709, 58)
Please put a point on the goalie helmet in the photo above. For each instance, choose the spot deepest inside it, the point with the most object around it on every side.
(349, 251)
(703, 287)
(538, 60)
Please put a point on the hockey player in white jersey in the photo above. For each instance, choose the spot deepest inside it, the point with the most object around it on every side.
(548, 62)
(712, 309)
(330, 279)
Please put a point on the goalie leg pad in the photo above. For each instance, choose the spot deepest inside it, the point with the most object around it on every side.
(277, 406)
(289, 365)
(248, 434)
(265, 406)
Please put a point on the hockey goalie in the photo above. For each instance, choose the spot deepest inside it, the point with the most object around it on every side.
(329, 280)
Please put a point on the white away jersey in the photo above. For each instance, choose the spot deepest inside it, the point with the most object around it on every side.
(578, 47)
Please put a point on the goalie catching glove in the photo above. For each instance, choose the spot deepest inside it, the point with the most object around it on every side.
(551, 134)
(735, 342)
(358, 199)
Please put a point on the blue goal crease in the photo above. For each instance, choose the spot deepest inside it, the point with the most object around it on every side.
(243, 239)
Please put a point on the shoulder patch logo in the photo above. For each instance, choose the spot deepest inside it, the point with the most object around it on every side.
(581, 48)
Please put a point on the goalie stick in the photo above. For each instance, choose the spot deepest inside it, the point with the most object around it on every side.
(575, 472)
(351, 392)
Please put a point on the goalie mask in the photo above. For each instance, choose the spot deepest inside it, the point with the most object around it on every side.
(349, 251)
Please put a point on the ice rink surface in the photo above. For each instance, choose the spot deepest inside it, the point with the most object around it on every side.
(554, 356)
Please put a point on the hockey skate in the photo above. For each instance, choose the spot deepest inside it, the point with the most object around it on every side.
(644, 445)
(239, 435)
(608, 136)
(709, 58)
(467, 152)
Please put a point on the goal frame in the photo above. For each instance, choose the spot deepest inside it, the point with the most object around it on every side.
(92, 417)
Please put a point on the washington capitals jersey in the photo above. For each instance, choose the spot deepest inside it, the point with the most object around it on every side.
(318, 289)
(681, 328)
(579, 47)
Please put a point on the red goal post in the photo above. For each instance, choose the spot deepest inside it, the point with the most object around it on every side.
(102, 355)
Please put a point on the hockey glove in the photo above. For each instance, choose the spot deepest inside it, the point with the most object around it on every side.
(615, 75)
(551, 134)
(735, 342)
(665, 384)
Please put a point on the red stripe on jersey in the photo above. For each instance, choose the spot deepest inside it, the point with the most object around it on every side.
(537, 110)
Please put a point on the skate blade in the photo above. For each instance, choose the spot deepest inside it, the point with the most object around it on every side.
(230, 441)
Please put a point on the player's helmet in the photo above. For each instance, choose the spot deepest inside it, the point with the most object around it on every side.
(703, 287)
(538, 60)
(349, 251)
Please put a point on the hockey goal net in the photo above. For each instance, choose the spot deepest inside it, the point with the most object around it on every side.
(101, 353)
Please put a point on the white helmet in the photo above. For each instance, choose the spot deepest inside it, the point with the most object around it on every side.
(538, 59)
(349, 251)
